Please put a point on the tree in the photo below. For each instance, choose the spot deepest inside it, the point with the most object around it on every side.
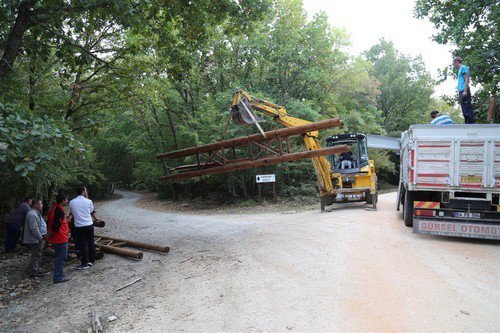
(473, 26)
(47, 19)
(406, 87)
(129, 79)
(36, 152)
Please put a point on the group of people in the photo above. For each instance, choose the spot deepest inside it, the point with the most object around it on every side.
(27, 220)
(464, 96)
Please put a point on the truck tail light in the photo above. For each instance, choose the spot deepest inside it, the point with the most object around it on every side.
(426, 212)
(412, 166)
(427, 208)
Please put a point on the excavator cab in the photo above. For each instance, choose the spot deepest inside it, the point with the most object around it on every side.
(353, 173)
(349, 162)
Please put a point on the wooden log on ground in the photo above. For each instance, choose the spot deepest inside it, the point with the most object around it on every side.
(121, 251)
(140, 245)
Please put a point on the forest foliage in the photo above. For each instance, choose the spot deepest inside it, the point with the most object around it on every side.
(472, 27)
(91, 91)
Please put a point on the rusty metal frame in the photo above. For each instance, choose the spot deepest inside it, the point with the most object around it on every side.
(248, 152)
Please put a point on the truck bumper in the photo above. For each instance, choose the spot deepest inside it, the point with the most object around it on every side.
(456, 228)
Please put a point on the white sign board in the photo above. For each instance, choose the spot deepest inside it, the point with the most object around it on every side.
(271, 178)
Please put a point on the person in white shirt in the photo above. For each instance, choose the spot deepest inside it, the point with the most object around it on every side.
(82, 210)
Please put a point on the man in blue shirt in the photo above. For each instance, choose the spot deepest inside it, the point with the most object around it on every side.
(440, 119)
(463, 90)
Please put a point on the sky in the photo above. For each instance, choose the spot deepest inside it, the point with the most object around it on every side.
(369, 20)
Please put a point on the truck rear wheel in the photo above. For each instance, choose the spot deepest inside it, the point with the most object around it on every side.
(408, 209)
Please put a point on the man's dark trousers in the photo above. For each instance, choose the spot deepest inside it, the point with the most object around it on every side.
(466, 105)
(61, 251)
(13, 232)
(85, 238)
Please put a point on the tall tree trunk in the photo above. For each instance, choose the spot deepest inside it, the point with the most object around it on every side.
(32, 87)
(172, 129)
(32, 82)
(244, 189)
(15, 39)
(75, 93)
(149, 131)
(76, 87)
(159, 131)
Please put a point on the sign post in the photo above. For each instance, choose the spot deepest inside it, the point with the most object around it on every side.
(261, 179)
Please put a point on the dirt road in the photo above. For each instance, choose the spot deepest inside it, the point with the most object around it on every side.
(346, 270)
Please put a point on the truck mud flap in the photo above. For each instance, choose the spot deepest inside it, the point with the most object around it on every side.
(462, 228)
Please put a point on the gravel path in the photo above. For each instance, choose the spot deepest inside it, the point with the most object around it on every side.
(346, 270)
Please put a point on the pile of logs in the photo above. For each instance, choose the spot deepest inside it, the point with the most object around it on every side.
(106, 244)
(115, 245)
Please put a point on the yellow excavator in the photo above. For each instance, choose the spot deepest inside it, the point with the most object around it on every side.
(346, 177)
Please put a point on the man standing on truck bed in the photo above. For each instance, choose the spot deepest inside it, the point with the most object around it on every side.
(464, 95)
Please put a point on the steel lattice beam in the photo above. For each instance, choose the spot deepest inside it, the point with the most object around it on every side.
(273, 160)
(284, 132)
(268, 148)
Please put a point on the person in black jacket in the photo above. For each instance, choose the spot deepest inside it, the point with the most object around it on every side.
(14, 223)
